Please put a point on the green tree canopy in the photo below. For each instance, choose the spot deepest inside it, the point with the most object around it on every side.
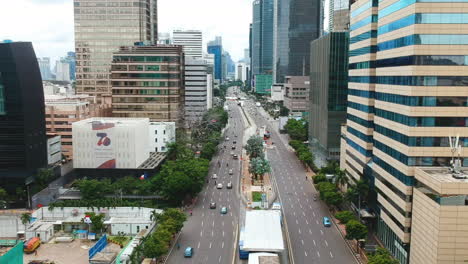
(345, 216)
(382, 256)
(94, 189)
(97, 221)
(333, 198)
(254, 147)
(355, 230)
(297, 129)
(259, 166)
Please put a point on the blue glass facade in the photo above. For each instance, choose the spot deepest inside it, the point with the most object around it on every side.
(364, 7)
(367, 35)
(364, 21)
(419, 18)
(217, 50)
(419, 39)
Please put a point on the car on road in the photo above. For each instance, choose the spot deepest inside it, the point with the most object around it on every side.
(233, 147)
(219, 186)
(212, 205)
(234, 142)
(227, 138)
(229, 185)
(230, 171)
(214, 176)
(188, 252)
(326, 221)
(224, 210)
(235, 156)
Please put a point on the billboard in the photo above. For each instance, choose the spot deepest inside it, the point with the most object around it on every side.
(103, 149)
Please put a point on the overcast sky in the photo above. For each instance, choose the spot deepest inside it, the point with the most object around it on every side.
(48, 24)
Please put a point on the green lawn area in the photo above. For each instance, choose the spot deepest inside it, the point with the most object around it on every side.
(123, 240)
(256, 196)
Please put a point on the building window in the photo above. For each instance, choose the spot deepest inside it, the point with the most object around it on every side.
(164, 132)
(155, 132)
(156, 149)
(156, 140)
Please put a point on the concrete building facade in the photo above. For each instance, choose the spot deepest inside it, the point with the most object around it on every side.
(296, 94)
(148, 81)
(406, 95)
(328, 92)
(262, 37)
(195, 90)
(101, 27)
(161, 134)
(62, 111)
(191, 40)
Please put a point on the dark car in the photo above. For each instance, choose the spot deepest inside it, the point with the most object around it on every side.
(212, 205)
(234, 141)
(233, 147)
(235, 156)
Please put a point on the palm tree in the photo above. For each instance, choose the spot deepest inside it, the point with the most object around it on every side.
(25, 219)
(154, 216)
(340, 178)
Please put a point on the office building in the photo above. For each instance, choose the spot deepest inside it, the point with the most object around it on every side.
(101, 27)
(62, 71)
(62, 111)
(71, 59)
(44, 67)
(148, 81)
(23, 141)
(296, 95)
(241, 71)
(263, 83)
(195, 90)
(328, 92)
(406, 95)
(209, 91)
(277, 92)
(338, 16)
(191, 40)
(164, 38)
(54, 150)
(262, 37)
(297, 23)
(163, 134)
(215, 47)
(210, 61)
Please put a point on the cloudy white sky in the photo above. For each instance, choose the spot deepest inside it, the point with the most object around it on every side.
(48, 24)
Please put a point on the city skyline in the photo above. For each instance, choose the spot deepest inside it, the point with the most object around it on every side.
(53, 36)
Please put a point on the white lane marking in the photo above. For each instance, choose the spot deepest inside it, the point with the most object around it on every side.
(318, 254)
(202, 223)
(212, 234)
(316, 222)
(223, 233)
(313, 213)
(222, 246)
(198, 244)
(300, 231)
(314, 242)
(297, 222)
(212, 223)
(294, 213)
(302, 188)
(307, 200)
(310, 207)
(326, 243)
(307, 222)
(331, 255)
(295, 193)
(219, 260)
(231, 213)
(203, 207)
(302, 241)
(305, 253)
(303, 212)
(222, 223)
(310, 231)
(210, 244)
(201, 233)
(321, 232)
(203, 198)
(203, 215)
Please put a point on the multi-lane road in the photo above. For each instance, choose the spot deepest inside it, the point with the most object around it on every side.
(211, 234)
(311, 242)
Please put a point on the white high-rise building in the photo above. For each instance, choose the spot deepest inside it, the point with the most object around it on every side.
(241, 71)
(209, 91)
(62, 71)
(195, 89)
(191, 40)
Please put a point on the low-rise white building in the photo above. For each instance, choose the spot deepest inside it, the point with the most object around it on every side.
(277, 92)
(110, 143)
(54, 149)
(161, 134)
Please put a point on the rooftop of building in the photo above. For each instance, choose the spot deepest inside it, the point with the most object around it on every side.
(115, 120)
(442, 180)
(149, 48)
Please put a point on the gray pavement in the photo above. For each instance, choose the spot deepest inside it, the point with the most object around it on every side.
(213, 235)
(311, 242)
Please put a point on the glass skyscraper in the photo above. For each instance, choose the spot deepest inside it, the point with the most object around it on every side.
(101, 27)
(262, 37)
(407, 93)
(215, 47)
(297, 24)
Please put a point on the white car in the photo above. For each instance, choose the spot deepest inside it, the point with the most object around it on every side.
(230, 171)
(214, 176)
(219, 186)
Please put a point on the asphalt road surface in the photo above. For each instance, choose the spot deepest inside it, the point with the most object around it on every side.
(211, 234)
(311, 242)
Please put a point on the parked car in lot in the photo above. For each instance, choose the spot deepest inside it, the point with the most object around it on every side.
(224, 210)
(326, 221)
(188, 252)
(230, 171)
(212, 205)
(229, 185)
(219, 186)
(214, 176)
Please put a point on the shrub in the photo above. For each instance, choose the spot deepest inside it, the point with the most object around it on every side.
(256, 196)
(345, 216)
(319, 178)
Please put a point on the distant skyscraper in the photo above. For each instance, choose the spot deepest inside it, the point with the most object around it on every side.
(338, 16)
(100, 29)
(71, 59)
(216, 47)
(148, 81)
(191, 40)
(62, 70)
(44, 67)
(164, 38)
(23, 147)
(262, 37)
(297, 23)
